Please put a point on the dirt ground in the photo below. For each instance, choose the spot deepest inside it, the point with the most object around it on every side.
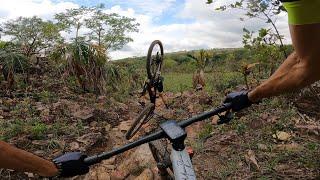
(276, 139)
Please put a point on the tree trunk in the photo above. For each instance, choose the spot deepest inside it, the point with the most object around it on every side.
(99, 38)
(198, 79)
(77, 31)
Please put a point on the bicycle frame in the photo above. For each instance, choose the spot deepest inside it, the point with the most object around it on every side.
(181, 162)
(182, 165)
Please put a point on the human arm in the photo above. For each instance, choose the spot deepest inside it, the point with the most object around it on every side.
(20, 160)
(70, 164)
(300, 69)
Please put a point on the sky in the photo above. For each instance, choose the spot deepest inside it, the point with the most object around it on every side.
(179, 24)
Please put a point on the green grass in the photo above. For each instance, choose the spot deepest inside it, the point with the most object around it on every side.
(38, 130)
(34, 128)
(177, 82)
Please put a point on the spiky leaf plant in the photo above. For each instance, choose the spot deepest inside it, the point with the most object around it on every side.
(201, 58)
(85, 61)
(11, 62)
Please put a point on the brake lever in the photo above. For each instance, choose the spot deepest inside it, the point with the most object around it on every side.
(225, 118)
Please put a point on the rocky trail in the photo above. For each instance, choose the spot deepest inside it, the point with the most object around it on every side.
(275, 139)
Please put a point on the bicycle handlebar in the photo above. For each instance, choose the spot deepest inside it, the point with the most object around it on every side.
(155, 136)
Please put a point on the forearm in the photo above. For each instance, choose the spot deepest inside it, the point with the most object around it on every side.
(295, 73)
(17, 159)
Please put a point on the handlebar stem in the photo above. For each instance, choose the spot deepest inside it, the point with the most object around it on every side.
(155, 136)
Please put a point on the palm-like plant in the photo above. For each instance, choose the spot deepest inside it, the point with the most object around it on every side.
(201, 58)
(87, 62)
(11, 62)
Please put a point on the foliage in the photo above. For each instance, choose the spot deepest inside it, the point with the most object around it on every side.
(32, 127)
(263, 49)
(38, 130)
(266, 10)
(169, 64)
(113, 75)
(228, 80)
(205, 133)
(247, 69)
(110, 30)
(86, 62)
(11, 62)
(181, 58)
(177, 82)
(72, 18)
(32, 34)
(201, 58)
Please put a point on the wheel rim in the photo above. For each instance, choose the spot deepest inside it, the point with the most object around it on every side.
(147, 114)
(156, 61)
(138, 126)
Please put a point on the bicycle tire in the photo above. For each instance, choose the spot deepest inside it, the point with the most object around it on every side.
(140, 120)
(161, 155)
(151, 74)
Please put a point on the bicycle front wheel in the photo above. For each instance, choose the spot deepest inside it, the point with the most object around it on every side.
(154, 60)
(143, 117)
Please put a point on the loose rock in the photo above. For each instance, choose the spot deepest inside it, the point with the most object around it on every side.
(282, 136)
(147, 174)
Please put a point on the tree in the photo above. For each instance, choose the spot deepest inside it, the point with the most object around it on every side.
(50, 35)
(266, 10)
(72, 19)
(32, 34)
(110, 30)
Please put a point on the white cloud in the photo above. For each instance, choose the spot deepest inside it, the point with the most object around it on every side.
(205, 28)
(210, 29)
(11, 9)
(147, 7)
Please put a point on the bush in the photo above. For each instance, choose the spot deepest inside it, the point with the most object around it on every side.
(84, 61)
(181, 58)
(12, 62)
(228, 80)
(169, 65)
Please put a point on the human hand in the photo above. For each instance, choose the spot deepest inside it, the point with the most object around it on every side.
(239, 100)
(71, 164)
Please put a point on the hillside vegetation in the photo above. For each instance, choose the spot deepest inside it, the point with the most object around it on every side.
(61, 94)
(279, 138)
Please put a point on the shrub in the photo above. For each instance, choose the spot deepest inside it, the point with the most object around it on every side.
(169, 65)
(12, 62)
(228, 80)
(84, 61)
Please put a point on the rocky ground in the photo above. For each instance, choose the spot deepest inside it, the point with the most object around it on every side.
(276, 139)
